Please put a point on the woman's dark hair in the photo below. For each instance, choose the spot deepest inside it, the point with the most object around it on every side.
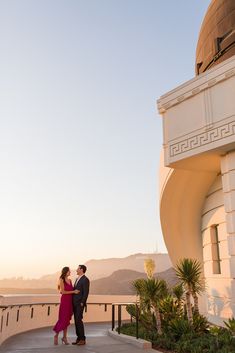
(64, 272)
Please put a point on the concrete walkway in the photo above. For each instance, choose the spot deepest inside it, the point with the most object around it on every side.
(40, 341)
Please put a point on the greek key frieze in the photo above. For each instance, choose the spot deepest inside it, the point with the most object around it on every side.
(202, 139)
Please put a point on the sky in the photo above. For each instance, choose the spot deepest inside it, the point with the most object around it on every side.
(80, 135)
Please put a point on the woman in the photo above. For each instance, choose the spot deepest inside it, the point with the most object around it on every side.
(66, 308)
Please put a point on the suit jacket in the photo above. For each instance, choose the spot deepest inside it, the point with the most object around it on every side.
(83, 285)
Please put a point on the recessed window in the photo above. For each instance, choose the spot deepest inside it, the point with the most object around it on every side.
(216, 261)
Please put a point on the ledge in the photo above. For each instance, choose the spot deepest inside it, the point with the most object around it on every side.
(140, 343)
(202, 82)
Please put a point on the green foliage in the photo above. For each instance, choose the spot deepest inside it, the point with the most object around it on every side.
(131, 309)
(231, 325)
(150, 292)
(181, 337)
(191, 343)
(200, 323)
(163, 320)
(168, 308)
(179, 326)
(130, 330)
(188, 271)
(165, 341)
(215, 330)
(150, 289)
(145, 317)
(178, 291)
(138, 285)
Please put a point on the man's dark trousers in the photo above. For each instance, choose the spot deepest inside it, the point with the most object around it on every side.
(78, 316)
(79, 303)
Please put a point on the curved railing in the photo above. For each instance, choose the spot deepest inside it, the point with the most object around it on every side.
(121, 317)
(20, 317)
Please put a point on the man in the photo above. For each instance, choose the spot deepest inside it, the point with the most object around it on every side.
(82, 284)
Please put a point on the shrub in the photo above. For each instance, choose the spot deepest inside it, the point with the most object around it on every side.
(190, 343)
(168, 308)
(165, 341)
(146, 318)
(200, 323)
(130, 330)
(179, 327)
(231, 325)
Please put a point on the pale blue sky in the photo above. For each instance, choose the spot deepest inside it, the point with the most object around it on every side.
(80, 136)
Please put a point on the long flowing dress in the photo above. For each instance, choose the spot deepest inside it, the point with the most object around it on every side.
(65, 310)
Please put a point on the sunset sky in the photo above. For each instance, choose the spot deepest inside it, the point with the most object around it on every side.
(80, 135)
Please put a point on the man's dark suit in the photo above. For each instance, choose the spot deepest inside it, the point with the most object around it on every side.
(79, 302)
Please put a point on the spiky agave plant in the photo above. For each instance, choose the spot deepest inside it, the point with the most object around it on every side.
(178, 293)
(154, 290)
(189, 273)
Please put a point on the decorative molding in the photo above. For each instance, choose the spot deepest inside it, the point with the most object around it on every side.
(193, 142)
(208, 109)
(192, 88)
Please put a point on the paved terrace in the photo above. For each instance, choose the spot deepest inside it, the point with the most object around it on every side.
(41, 340)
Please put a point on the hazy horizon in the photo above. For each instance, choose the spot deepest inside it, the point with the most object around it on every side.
(80, 135)
(73, 270)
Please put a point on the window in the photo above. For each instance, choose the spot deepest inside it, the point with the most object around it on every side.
(216, 269)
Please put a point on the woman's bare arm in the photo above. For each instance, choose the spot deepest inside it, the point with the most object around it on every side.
(63, 291)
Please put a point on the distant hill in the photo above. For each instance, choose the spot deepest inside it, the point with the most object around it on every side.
(105, 267)
(97, 269)
(120, 282)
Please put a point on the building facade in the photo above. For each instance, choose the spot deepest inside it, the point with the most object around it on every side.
(197, 173)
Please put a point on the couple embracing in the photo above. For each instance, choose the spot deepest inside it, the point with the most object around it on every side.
(73, 301)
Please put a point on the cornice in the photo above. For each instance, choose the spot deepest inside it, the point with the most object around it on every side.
(212, 77)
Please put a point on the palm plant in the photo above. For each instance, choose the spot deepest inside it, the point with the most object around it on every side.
(151, 291)
(178, 293)
(189, 273)
(197, 288)
(168, 308)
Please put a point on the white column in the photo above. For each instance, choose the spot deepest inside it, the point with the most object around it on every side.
(228, 183)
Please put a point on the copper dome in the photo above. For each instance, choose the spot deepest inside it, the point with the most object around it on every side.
(216, 41)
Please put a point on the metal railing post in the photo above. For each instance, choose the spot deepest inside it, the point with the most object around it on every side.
(119, 318)
(113, 316)
(137, 321)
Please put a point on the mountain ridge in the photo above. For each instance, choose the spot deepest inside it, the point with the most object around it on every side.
(118, 283)
(97, 269)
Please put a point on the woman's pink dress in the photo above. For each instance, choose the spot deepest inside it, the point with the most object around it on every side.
(65, 310)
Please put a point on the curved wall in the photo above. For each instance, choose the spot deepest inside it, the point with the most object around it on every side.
(220, 301)
(182, 195)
